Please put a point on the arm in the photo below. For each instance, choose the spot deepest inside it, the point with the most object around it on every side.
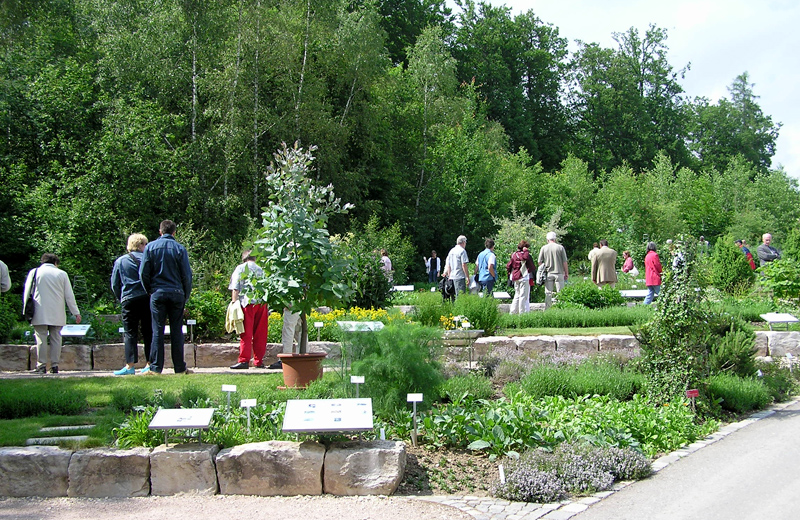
(5, 280)
(466, 270)
(144, 271)
(765, 254)
(116, 281)
(186, 274)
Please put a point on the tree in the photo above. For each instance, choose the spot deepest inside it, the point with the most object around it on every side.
(301, 268)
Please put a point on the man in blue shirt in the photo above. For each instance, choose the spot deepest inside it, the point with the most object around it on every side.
(486, 262)
(167, 277)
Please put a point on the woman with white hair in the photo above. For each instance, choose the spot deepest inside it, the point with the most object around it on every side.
(135, 303)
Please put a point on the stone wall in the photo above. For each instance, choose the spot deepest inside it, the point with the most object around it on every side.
(264, 469)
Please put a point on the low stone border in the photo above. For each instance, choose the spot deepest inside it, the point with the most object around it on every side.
(263, 469)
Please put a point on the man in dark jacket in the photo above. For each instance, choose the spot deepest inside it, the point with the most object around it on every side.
(167, 277)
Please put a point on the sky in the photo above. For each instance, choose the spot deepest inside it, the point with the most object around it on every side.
(719, 38)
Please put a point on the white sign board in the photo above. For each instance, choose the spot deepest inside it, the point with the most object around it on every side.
(228, 388)
(414, 398)
(248, 403)
(75, 331)
(356, 379)
(182, 418)
(403, 288)
(360, 326)
(191, 322)
(328, 415)
(501, 295)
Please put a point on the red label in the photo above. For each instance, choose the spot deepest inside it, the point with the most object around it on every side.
(693, 393)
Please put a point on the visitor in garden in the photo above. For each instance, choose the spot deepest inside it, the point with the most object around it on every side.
(627, 262)
(520, 268)
(167, 277)
(455, 268)
(253, 341)
(604, 266)
(595, 249)
(386, 265)
(652, 273)
(747, 254)
(127, 288)
(766, 253)
(51, 290)
(433, 266)
(5, 280)
(554, 257)
(485, 263)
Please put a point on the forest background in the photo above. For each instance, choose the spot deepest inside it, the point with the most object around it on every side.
(433, 122)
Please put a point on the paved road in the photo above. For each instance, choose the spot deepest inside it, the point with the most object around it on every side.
(751, 474)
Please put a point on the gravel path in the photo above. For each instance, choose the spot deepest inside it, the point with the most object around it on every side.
(227, 508)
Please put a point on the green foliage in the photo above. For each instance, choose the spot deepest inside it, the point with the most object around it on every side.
(482, 313)
(738, 394)
(371, 288)
(779, 380)
(782, 277)
(730, 270)
(134, 431)
(578, 317)
(591, 377)
(791, 245)
(587, 294)
(430, 307)
(9, 314)
(396, 361)
(734, 354)
(38, 398)
(208, 308)
(467, 387)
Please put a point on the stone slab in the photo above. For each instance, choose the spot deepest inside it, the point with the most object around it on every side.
(271, 468)
(184, 468)
(364, 468)
(14, 358)
(34, 471)
(762, 344)
(73, 357)
(108, 472)
(781, 343)
(618, 342)
(577, 344)
(111, 356)
(536, 343)
(211, 355)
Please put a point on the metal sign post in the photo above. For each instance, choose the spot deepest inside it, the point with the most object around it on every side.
(229, 389)
(357, 380)
(692, 394)
(248, 403)
(318, 325)
(191, 324)
(414, 398)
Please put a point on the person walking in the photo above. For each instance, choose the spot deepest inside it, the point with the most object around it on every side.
(652, 273)
(167, 277)
(253, 341)
(766, 253)
(51, 291)
(520, 267)
(604, 269)
(455, 268)
(747, 254)
(485, 264)
(127, 287)
(433, 266)
(554, 257)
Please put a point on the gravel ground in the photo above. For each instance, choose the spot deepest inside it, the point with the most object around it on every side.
(227, 508)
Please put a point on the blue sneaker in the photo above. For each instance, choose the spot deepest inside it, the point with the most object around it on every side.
(147, 372)
(124, 372)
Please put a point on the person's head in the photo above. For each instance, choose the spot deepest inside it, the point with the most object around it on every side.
(766, 238)
(489, 243)
(626, 254)
(523, 244)
(651, 246)
(433, 254)
(136, 242)
(595, 246)
(247, 255)
(738, 242)
(462, 240)
(604, 243)
(384, 252)
(167, 227)
(50, 258)
(702, 238)
(551, 236)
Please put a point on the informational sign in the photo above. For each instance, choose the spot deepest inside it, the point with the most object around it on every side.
(75, 331)
(693, 393)
(360, 326)
(414, 398)
(328, 415)
(228, 388)
(403, 288)
(501, 295)
(357, 380)
(182, 418)
(248, 403)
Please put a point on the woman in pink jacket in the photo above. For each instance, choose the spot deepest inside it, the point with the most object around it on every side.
(652, 273)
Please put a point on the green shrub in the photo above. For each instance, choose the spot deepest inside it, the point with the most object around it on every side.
(578, 317)
(782, 277)
(482, 313)
(37, 398)
(430, 308)
(779, 380)
(9, 313)
(730, 270)
(591, 377)
(134, 431)
(395, 361)
(587, 294)
(734, 354)
(471, 386)
(208, 308)
(739, 394)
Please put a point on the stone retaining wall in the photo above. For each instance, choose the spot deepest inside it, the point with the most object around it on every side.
(263, 469)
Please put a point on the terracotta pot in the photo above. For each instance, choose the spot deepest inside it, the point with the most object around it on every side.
(301, 369)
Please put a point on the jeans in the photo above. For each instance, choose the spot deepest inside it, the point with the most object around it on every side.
(167, 305)
(432, 276)
(489, 286)
(652, 292)
(461, 285)
(135, 314)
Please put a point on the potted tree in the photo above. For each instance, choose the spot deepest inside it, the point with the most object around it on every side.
(302, 270)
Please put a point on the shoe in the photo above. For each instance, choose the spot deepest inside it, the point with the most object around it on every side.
(42, 369)
(278, 365)
(125, 371)
(53, 370)
(260, 365)
(240, 366)
(146, 371)
(187, 371)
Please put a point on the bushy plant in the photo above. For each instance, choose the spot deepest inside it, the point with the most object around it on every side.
(208, 308)
(430, 308)
(734, 354)
(471, 386)
(779, 380)
(135, 431)
(739, 394)
(782, 277)
(730, 270)
(578, 317)
(398, 360)
(37, 398)
(590, 377)
(482, 313)
(8, 316)
(587, 294)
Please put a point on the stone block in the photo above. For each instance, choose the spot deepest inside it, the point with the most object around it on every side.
(619, 342)
(108, 472)
(781, 343)
(577, 344)
(184, 468)
(73, 357)
(211, 355)
(34, 471)
(536, 343)
(762, 344)
(14, 358)
(504, 308)
(490, 342)
(271, 468)
(364, 468)
(111, 356)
